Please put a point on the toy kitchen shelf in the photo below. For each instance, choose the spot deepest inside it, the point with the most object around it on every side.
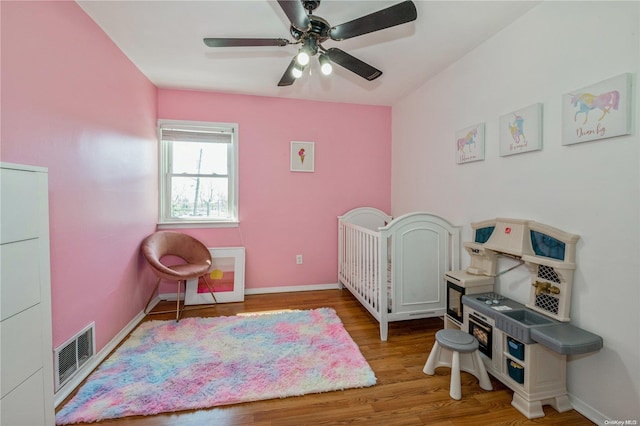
(525, 346)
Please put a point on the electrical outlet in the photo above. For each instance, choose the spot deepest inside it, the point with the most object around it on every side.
(298, 259)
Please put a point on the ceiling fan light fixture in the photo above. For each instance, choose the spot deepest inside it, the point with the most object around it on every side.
(303, 57)
(325, 64)
(308, 49)
(297, 70)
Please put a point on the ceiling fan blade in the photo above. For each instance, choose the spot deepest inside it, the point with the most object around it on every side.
(397, 14)
(243, 42)
(288, 78)
(353, 64)
(296, 14)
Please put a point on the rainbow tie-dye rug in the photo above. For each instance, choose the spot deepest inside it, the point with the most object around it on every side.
(197, 363)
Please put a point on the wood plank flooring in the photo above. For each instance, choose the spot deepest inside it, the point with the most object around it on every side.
(404, 395)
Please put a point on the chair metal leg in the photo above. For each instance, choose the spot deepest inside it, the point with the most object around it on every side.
(210, 287)
(178, 310)
(151, 297)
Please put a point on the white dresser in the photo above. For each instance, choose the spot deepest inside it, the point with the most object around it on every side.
(26, 357)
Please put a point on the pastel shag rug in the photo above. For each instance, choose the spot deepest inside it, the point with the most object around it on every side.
(196, 363)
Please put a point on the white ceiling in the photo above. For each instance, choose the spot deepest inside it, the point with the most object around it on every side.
(164, 40)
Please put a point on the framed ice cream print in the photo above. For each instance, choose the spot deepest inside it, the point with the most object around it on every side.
(521, 130)
(599, 111)
(226, 275)
(302, 156)
(470, 144)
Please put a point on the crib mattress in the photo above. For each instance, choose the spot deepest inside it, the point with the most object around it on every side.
(366, 287)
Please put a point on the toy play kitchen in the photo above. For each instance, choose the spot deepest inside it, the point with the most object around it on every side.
(523, 346)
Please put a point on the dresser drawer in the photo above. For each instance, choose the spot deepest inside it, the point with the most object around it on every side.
(20, 277)
(24, 405)
(20, 209)
(21, 348)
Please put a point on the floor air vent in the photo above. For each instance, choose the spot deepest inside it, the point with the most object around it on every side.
(73, 354)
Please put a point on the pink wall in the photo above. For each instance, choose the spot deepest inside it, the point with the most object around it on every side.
(283, 213)
(72, 102)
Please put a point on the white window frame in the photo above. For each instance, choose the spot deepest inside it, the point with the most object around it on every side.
(164, 163)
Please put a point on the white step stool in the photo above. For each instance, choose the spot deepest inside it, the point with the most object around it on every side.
(459, 351)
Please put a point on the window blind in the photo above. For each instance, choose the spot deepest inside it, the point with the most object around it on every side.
(196, 135)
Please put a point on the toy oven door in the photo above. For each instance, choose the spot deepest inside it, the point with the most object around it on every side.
(483, 333)
(454, 301)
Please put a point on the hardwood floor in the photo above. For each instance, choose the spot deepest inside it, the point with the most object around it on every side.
(404, 395)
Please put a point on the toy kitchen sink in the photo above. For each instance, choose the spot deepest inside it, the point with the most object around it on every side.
(525, 345)
(520, 323)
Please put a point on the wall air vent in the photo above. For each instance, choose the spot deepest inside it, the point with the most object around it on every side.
(73, 354)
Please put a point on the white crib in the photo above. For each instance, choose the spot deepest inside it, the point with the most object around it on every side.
(396, 267)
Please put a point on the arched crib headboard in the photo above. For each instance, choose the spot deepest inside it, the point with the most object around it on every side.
(395, 267)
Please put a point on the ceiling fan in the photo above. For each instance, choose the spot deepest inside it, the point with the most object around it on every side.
(311, 31)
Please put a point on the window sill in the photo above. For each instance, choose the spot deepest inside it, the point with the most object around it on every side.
(183, 225)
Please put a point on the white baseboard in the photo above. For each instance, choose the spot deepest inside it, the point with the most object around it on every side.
(266, 290)
(288, 289)
(586, 410)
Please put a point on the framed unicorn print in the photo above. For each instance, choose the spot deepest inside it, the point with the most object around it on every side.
(599, 111)
(470, 144)
(521, 130)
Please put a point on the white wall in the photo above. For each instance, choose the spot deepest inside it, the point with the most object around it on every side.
(591, 189)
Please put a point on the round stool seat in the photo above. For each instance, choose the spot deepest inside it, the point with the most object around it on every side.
(456, 340)
(459, 351)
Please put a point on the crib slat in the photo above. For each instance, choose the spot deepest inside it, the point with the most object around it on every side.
(359, 264)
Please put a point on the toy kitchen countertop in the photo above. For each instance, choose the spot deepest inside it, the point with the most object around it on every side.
(530, 327)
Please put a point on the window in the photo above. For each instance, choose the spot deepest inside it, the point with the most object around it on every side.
(198, 173)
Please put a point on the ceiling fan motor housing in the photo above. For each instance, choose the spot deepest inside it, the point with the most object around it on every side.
(319, 30)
